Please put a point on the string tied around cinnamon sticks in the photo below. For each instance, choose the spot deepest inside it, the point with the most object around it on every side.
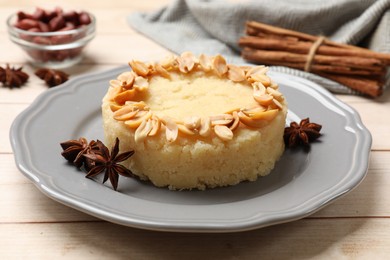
(312, 53)
(358, 68)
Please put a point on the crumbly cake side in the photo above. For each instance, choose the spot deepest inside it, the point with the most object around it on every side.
(196, 122)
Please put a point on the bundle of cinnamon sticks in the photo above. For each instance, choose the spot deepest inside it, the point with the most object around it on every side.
(355, 67)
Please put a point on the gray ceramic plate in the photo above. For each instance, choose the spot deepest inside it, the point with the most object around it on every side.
(301, 183)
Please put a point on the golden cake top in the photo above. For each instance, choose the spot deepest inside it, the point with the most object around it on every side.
(195, 96)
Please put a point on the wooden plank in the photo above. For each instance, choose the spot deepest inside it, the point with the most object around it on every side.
(305, 239)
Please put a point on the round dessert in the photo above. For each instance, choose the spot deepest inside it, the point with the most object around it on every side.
(196, 122)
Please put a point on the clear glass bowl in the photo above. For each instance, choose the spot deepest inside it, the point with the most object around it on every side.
(58, 49)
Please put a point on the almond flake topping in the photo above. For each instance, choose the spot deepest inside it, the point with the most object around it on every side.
(126, 106)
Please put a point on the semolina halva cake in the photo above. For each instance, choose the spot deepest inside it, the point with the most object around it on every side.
(196, 122)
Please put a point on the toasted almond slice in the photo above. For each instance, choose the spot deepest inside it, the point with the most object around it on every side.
(275, 93)
(265, 115)
(221, 122)
(221, 117)
(126, 79)
(162, 71)
(230, 111)
(192, 122)
(248, 121)
(205, 126)
(278, 104)
(186, 62)
(256, 70)
(124, 96)
(115, 107)
(113, 92)
(205, 62)
(141, 84)
(223, 132)
(259, 87)
(263, 99)
(183, 129)
(264, 79)
(142, 131)
(235, 73)
(115, 83)
(136, 121)
(169, 62)
(250, 111)
(140, 68)
(125, 113)
(141, 105)
(171, 129)
(156, 125)
(236, 121)
(220, 66)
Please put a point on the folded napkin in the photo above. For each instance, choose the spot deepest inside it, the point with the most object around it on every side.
(214, 26)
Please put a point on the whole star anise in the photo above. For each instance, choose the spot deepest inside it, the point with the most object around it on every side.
(302, 133)
(12, 77)
(109, 163)
(52, 77)
(73, 151)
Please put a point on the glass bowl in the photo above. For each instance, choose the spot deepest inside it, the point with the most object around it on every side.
(58, 49)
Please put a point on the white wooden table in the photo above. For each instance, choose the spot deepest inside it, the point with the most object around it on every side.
(356, 226)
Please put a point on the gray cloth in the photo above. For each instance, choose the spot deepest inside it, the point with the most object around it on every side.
(214, 26)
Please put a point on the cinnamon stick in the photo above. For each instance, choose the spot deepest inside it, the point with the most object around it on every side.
(253, 27)
(355, 67)
(321, 63)
(370, 87)
(273, 43)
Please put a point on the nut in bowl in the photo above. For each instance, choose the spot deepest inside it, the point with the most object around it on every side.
(52, 38)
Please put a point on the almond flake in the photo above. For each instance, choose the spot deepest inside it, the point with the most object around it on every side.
(236, 121)
(140, 68)
(162, 71)
(115, 83)
(220, 66)
(136, 121)
(223, 132)
(248, 121)
(125, 113)
(171, 129)
(114, 107)
(275, 93)
(265, 115)
(235, 73)
(205, 126)
(192, 122)
(156, 125)
(186, 62)
(278, 104)
(141, 84)
(256, 70)
(205, 62)
(113, 92)
(183, 129)
(126, 79)
(169, 62)
(142, 131)
(263, 99)
(124, 96)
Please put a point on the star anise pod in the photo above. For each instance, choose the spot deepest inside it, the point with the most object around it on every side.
(73, 151)
(302, 133)
(52, 77)
(12, 77)
(109, 163)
